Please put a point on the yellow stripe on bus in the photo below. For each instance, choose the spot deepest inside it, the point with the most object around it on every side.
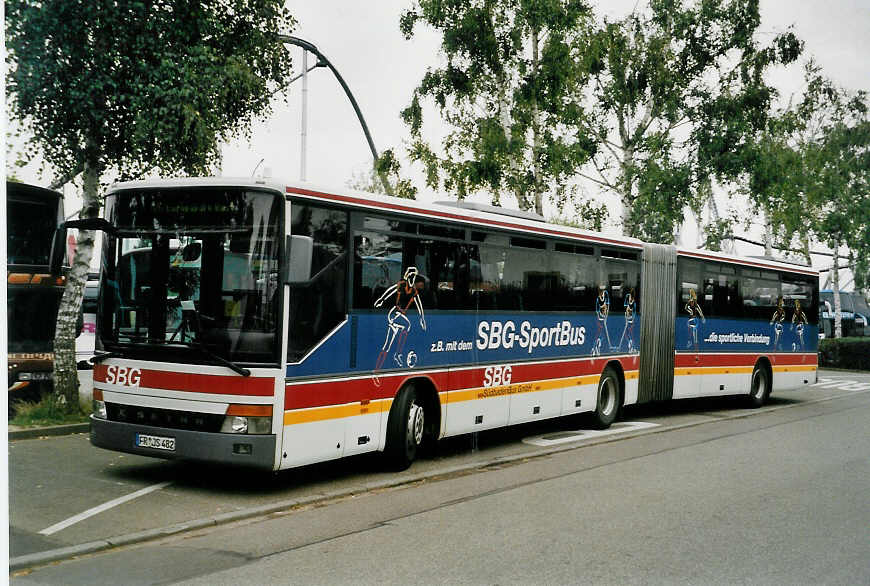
(739, 369)
(795, 368)
(713, 370)
(335, 412)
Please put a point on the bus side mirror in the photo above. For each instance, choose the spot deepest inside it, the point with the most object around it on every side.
(58, 248)
(297, 259)
(100, 224)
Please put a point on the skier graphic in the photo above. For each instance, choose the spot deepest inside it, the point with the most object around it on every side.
(630, 307)
(776, 321)
(798, 321)
(693, 308)
(602, 309)
(405, 293)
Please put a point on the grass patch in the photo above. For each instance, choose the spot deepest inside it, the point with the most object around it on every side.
(46, 411)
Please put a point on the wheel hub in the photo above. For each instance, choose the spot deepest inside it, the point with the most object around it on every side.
(415, 423)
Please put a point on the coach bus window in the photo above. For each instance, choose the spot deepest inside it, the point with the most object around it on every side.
(380, 260)
(487, 289)
(721, 291)
(689, 285)
(317, 298)
(576, 269)
(760, 291)
(526, 282)
(798, 296)
(620, 279)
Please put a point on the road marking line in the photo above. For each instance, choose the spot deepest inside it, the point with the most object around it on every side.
(552, 439)
(104, 507)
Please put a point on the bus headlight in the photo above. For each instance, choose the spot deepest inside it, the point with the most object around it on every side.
(99, 405)
(248, 419)
(249, 425)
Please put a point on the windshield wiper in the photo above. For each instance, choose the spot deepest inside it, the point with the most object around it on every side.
(97, 358)
(188, 309)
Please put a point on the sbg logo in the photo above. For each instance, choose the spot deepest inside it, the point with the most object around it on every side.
(121, 375)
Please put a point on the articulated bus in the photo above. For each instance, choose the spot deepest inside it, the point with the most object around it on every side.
(32, 294)
(274, 325)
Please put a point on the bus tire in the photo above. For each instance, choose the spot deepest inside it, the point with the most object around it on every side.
(405, 429)
(759, 387)
(607, 402)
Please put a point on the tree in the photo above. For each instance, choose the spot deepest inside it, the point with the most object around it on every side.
(679, 93)
(812, 174)
(132, 87)
(507, 94)
(385, 171)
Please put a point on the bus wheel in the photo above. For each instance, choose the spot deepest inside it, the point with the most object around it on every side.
(759, 388)
(607, 404)
(405, 427)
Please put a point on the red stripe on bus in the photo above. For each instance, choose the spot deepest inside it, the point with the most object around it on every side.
(198, 383)
(684, 360)
(341, 392)
(460, 217)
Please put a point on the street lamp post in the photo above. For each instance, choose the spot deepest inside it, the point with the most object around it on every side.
(323, 61)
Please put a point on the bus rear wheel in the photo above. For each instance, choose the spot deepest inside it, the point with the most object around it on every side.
(405, 429)
(759, 387)
(607, 403)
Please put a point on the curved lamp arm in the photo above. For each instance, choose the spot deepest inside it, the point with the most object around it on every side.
(321, 61)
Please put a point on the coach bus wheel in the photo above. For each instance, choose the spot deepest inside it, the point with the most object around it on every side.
(607, 404)
(759, 388)
(405, 427)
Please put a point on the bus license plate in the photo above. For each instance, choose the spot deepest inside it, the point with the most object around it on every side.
(156, 442)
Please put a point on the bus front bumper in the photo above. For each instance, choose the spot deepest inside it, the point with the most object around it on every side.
(256, 451)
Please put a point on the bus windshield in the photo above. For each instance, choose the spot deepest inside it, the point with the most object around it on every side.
(30, 222)
(192, 268)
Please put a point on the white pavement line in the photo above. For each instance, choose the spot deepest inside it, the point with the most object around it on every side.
(563, 437)
(104, 507)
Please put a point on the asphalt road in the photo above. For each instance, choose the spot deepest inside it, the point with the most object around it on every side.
(709, 493)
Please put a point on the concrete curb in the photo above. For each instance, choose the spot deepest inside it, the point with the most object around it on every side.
(53, 430)
(44, 557)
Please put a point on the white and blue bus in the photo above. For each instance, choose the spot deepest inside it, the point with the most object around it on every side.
(277, 325)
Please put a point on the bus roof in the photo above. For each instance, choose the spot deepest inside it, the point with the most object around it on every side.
(31, 192)
(761, 263)
(451, 213)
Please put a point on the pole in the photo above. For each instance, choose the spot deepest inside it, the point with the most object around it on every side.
(322, 60)
(303, 149)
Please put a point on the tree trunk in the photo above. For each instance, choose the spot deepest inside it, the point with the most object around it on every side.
(835, 274)
(768, 236)
(536, 163)
(629, 227)
(805, 247)
(66, 384)
(504, 111)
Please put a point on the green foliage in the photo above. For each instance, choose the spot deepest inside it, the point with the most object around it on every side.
(848, 353)
(680, 96)
(47, 411)
(387, 169)
(508, 92)
(811, 170)
(587, 215)
(137, 86)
